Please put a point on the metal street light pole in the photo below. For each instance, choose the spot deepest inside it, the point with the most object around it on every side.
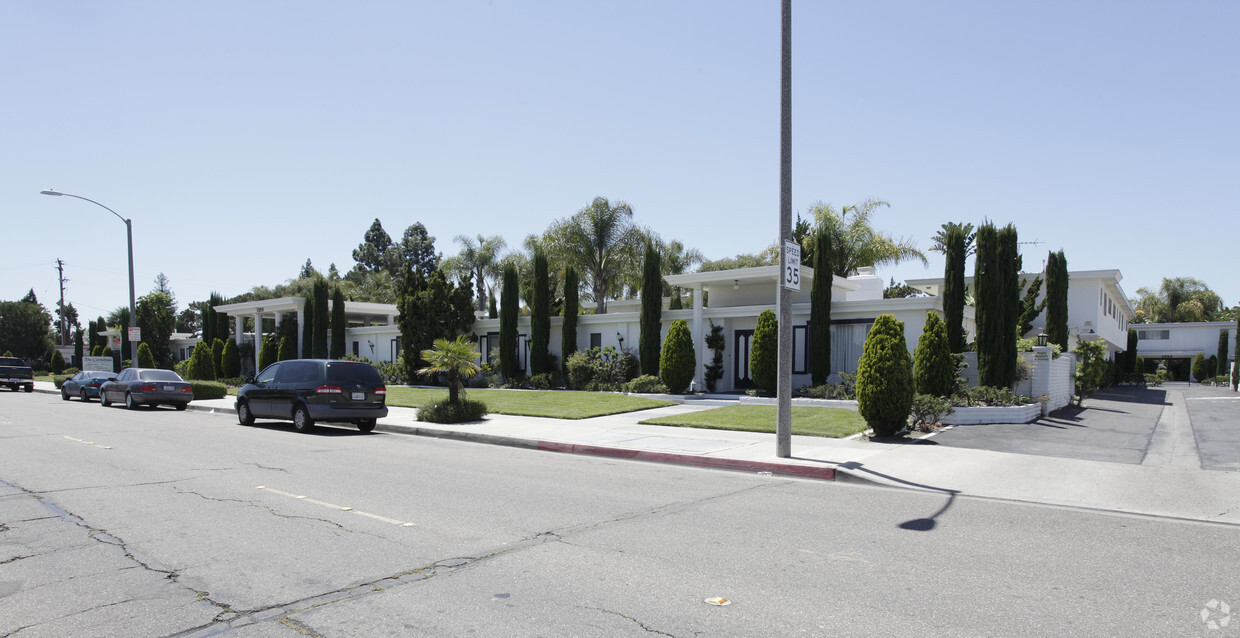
(133, 310)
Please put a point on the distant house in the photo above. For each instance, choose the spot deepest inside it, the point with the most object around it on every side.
(1169, 342)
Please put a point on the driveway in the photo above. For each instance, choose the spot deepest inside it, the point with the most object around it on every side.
(1172, 425)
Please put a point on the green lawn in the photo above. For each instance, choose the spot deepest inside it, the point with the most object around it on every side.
(829, 422)
(556, 404)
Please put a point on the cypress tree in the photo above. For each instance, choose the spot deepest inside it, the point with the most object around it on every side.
(677, 362)
(78, 348)
(935, 371)
(1057, 299)
(338, 323)
(1010, 302)
(1201, 369)
(955, 251)
(764, 352)
(307, 329)
(1130, 355)
(322, 320)
(217, 357)
(885, 377)
(145, 360)
(568, 332)
(540, 317)
(652, 312)
(287, 349)
(986, 295)
(1222, 352)
(492, 311)
(268, 353)
(231, 359)
(508, 324)
(200, 366)
(820, 310)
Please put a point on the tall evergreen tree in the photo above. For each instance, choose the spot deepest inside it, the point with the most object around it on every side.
(307, 329)
(1030, 306)
(935, 370)
(1223, 338)
(540, 318)
(568, 332)
(1130, 354)
(508, 299)
(820, 310)
(996, 282)
(764, 352)
(652, 312)
(1057, 299)
(431, 309)
(885, 377)
(956, 246)
(322, 318)
(339, 323)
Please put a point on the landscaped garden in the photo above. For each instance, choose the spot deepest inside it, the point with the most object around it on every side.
(555, 404)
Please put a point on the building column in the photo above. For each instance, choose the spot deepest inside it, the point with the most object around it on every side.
(699, 339)
(301, 328)
(258, 340)
(239, 325)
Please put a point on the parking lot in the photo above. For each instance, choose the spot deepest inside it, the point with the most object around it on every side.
(1122, 425)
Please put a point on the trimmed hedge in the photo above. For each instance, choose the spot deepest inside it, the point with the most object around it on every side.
(677, 361)
(209, 390)
(885, 378)
(443, 411)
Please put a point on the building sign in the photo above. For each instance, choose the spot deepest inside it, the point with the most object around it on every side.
(135, 333)
(97, 364)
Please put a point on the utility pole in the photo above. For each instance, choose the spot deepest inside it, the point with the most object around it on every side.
(783, 395)
(60, 266)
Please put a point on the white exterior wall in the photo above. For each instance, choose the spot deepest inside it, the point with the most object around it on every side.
(1184, 339)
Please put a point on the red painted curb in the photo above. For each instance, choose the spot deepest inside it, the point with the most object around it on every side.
(781, 469)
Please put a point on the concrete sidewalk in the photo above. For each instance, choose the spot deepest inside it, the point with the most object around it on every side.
(1177, 492)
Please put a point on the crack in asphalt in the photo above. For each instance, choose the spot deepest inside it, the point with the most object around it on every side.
(639, 623)
(102, 487)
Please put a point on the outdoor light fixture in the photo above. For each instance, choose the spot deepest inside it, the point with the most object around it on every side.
(1042, 337)
(736, 284)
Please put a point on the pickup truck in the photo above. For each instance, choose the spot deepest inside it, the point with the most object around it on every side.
(16, 374)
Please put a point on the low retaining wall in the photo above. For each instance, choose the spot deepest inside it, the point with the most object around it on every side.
(980, 415)
(818, 403)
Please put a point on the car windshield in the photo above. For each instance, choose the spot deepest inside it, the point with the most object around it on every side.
(349, 371)
(158, 375)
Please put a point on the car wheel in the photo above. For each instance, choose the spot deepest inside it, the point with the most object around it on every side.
(181, 406)
(103, 399)
(130, 404)
(30, 388)
(244, 416)
(64, 394)
(302, 421)
(85, 397)
(366, 425)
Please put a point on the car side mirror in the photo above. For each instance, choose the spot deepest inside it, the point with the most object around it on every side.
(249, 379)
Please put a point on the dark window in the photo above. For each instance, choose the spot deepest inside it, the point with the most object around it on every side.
(348, 371)
(159, 375)
(356, 349)
(596, 340)
(297, 372)
(800, 349)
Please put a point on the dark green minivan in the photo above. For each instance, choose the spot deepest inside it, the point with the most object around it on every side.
(306, 391)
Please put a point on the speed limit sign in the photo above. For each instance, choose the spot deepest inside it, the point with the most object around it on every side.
(792, 265)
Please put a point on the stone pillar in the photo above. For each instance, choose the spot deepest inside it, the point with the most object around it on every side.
(1040, 383)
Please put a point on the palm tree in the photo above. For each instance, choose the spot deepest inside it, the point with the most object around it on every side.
(677, 260)
(457, 358)
(939, 241)
(603, 243)
(856, 244)
(481, 259)
(1178, 299)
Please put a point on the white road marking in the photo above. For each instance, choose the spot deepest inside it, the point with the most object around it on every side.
(341, 508)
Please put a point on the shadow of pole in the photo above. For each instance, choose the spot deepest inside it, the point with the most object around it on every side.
(925, 524)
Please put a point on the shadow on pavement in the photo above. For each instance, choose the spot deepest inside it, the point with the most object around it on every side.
(925, 524)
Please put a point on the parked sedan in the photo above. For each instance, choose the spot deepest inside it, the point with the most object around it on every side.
(305, 391)
(147, 386)
(85, 384)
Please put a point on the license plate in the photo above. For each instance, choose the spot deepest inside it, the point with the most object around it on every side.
(170, 388)
(359, 396)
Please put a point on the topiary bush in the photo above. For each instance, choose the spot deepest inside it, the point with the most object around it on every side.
(885, 378)
(145, 360)
(1201, 368)
(714, 370)
(288, 349)
(646, 384)
(217, 357)
(230, 360)
(60, 379)
(200, 366)
(677, 361)
(204, 390)
(935, 370)
(764, 352)
(443, 411)
(268, 353)
(58, 362)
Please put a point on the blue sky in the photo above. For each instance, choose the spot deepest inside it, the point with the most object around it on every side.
(245, 137)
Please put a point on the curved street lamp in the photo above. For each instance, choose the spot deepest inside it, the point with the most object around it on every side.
(133, 311)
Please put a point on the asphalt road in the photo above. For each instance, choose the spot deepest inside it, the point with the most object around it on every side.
(163, 523)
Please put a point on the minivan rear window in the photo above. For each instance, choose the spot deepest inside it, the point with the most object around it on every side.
(350, 371)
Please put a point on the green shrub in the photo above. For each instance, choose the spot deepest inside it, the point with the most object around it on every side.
(646, 384)
(935, 371)
(677, 361)
(928, 410)
(986, 396)
(60, 379)
(603, 369)
(200, 366)
(885, 378)
(845, 390)
(443, 411)
(268, 353)
(209, 390)
(58, 362)
(231, 359)
(714, 370)
(288, 349)
(1090, 367)
(764, 352)
(145, 360)
(1201, 368)
(217, 357)
(71, 371)
(543, 381)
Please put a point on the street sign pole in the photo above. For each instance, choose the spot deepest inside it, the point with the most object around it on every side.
(783, 425)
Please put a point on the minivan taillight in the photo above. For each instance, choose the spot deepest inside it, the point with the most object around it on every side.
(380, 390)
(328, 389)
